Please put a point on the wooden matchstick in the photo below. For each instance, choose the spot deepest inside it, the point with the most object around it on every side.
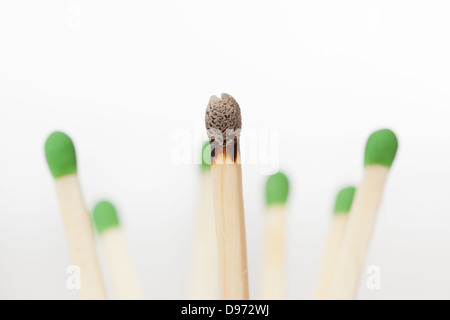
(203, 279)
(223, 125)
(336, 233)
(118, 261)
(61, 159)
(380, 152)
(273, 278)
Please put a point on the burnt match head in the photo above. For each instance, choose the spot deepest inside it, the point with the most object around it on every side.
(223, 119)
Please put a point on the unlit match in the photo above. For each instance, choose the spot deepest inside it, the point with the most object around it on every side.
(273, 286)
(62, 162)
(380, 152)
(333, 244)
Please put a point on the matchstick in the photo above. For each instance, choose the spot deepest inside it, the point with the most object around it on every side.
(336, 233)
(61, 159)
(118, 261)
(380, 152)
(223, 125)
(273, 278)
(203, 279)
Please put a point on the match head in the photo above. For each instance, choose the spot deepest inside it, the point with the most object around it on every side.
(60, 154)
(381, 148)
(344, 200)
(223, 119)
(206, 156)
(277, 189)
(105, 216)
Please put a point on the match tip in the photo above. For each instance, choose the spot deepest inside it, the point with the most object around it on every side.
(277, 189)
(381, 148)
(206, 156)
(222, 114)
(105, 216)
(60, 154)
(344, 200)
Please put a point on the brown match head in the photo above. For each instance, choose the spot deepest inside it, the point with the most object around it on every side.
(223, 119)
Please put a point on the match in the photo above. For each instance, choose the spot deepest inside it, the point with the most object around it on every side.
(333, 243)
(223, 125)
(61, 159)
(273, 277)
(203, 278)
(381, 148)
(121, 270)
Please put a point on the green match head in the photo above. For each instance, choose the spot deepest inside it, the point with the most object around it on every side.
(381, 148)
(277, 189)
(344, 200)
(206, 156)
(60, 154)
(105, 216)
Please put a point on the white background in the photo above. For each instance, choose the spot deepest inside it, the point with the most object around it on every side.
(122, 78)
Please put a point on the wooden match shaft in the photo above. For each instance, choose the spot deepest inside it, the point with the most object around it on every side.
(122, 274)
(273, 282)
(80, 237)
(203, 280)
(230, 225)
(358, 233)
(331, 254)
